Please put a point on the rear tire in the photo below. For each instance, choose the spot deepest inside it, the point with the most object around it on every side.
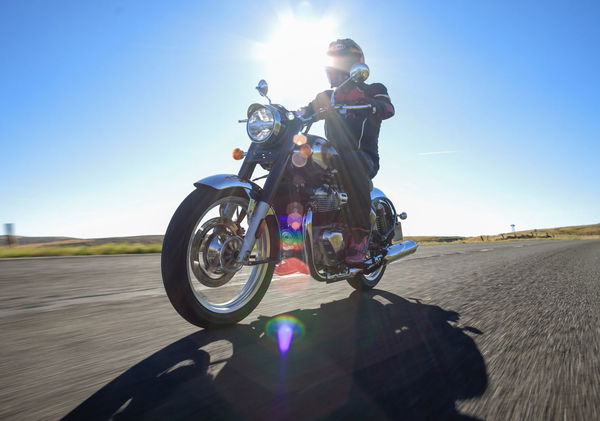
(362, 282)
(175, 258)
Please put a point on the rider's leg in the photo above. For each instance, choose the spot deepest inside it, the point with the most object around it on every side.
(355, 171)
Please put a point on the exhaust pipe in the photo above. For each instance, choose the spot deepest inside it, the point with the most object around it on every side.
(400, 250)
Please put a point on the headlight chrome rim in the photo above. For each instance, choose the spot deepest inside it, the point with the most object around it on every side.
(276, 128)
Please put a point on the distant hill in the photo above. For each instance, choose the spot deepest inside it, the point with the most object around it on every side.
(574, 232)
(582, 230)
(579, 231)
(33, 240)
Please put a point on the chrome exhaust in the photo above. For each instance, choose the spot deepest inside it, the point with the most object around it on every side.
(400, 250)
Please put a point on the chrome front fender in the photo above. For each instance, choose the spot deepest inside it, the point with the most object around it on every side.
(229, 181)
(232, 181)
(257, 209)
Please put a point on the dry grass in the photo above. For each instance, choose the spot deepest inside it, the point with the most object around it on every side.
(63, 246)
(579, 232)
(66, 250)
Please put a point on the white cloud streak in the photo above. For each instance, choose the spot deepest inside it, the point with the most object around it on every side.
(437, 153)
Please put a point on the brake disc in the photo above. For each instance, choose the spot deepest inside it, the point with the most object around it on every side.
(210, 265)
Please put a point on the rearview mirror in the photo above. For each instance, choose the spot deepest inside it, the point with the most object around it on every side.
(262, 87)
(359, 72)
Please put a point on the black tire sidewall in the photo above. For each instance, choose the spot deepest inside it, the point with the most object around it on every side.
(174, 261)
(360, 283)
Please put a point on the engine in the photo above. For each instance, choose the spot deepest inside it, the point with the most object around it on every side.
(328, 199)
(330, 244)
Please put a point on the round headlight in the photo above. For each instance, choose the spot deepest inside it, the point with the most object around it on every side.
(262, 124)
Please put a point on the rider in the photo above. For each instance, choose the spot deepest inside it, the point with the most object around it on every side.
(356, 135)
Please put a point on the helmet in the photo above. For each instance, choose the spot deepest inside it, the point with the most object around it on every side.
(343, 53)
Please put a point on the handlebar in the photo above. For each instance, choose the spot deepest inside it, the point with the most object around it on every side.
(352, 107)
(342, 108)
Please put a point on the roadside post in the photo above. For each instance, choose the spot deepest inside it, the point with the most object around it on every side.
(9, 233)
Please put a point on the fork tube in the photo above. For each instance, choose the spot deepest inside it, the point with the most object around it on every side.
(260, 212)
(262, 207)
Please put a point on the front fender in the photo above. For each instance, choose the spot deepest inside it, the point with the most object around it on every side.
(230, 181)
(222, 182)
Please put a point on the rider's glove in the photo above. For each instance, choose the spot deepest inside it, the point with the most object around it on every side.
(301, 112)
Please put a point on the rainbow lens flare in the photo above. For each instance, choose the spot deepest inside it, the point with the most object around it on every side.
(284, 329)
(291, 240)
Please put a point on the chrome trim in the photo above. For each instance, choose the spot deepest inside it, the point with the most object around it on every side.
(308, 246)
(377, 194)
(370, 277)
(254, 279)
(335, 239)
(276, 125)
(373, 219)
(263, 89)
(359, 72)
(344, 107)
(226, 181)
(400, 250)
(341, 276)
(307, 230)
(260, 212)
(318, 154)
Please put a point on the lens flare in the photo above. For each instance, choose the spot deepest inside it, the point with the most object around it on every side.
(295, 207)
(298, 159)
(291, 240)
(284, 329)
(294, 220)
(295, 34)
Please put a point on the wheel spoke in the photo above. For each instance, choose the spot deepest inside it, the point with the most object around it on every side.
(218, 282)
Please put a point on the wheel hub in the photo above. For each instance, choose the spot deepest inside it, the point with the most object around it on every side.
(229, 253)
(214, 252)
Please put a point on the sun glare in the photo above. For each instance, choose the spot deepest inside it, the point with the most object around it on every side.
(295, 57)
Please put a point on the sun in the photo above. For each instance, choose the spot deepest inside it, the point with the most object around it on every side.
(294, 59)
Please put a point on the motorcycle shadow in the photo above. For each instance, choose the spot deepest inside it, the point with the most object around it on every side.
(371, 355)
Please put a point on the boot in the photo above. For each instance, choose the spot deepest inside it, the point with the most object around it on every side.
(356, 253)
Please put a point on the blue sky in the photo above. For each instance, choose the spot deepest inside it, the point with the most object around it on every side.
(111, 110)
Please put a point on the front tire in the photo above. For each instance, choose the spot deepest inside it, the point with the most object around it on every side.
(190, 275)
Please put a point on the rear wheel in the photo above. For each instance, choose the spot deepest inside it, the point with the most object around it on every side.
(201, 277)
(365, 282)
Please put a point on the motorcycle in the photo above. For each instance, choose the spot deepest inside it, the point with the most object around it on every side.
(225, 239)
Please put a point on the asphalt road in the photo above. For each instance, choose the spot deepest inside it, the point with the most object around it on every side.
(485, 331)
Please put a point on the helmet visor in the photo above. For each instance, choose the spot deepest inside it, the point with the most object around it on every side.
(341, 63)
(336, 77)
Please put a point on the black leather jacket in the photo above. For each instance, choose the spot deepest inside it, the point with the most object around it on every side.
(356, 130)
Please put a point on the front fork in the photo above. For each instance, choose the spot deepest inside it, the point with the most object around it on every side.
(258, 215)
(256, 218)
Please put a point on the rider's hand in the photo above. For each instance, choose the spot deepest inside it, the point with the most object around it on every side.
(300, 113)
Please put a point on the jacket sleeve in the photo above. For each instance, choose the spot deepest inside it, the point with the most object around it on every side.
(322, 100)
(379, 96)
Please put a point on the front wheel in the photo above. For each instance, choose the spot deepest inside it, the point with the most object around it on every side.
(365, 282)
(202, 280)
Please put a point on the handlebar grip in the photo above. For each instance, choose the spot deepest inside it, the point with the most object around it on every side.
(356, 107)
